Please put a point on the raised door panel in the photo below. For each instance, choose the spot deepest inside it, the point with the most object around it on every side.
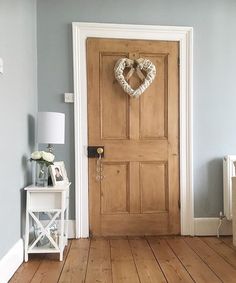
(154, 187)
(153, 103)
(114, 109)
(114, 188)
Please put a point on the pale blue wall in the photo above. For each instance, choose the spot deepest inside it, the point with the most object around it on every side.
(18, 106)
(214, 23)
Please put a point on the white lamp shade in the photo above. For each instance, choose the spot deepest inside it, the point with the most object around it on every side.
(51, 127)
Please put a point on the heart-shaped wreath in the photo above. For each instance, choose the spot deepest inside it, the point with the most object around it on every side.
(135, 65)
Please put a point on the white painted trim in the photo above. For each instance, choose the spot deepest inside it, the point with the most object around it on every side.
(81, 31)
(208, 227)
(11, 261)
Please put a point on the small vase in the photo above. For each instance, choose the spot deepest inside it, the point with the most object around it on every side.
(41, 174)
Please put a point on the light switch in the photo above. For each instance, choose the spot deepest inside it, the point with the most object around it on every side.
(69, 97)
(1, 66)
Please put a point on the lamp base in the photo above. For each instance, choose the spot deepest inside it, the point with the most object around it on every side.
(50, 148)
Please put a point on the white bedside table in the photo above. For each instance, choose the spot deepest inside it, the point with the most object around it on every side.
(53, 202)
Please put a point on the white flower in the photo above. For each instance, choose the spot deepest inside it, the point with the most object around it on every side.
(36, 155)
(42, 156)
(49, 157)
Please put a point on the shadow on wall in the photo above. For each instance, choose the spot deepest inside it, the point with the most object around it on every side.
(31, 132)
(215, 186)
(27, 168)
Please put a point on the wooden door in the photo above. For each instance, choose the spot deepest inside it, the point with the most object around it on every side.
(139, 194)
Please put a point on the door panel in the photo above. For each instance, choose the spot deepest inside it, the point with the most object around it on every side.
(112, 95)
(154, 125)
(114, 188)
(140, 191)
(153, 183)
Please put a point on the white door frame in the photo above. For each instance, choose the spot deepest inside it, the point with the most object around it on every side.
(184, 35)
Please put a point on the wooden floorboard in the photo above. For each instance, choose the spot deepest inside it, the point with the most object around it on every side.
(27, 270)
(146, 264)
(76, 263)
(172, 267)
(50, 268)
(41, 268)
(227, 252)
(135, 259)
(196, 267)
(223, 269)
(123, 266)
(99, 262)
(228, 241)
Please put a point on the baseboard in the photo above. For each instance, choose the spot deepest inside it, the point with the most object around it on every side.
(208, 227)
(202, 227)
(11, 261)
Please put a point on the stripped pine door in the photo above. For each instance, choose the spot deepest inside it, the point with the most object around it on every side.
(139, 194)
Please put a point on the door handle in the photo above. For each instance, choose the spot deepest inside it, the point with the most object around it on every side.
(95, 151)
(100, 151)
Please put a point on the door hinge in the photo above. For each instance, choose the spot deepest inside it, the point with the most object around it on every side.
(179, 204)
(178, 61)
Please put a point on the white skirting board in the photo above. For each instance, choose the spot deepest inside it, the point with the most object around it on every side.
(11, 261)
(208, 227)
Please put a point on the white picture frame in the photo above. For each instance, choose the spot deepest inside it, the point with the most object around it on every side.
(58, 173)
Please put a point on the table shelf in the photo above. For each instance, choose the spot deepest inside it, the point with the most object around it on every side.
(44, 249)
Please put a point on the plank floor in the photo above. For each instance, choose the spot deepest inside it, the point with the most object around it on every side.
(135, 259)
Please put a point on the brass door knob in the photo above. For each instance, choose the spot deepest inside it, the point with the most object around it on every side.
(100, 150)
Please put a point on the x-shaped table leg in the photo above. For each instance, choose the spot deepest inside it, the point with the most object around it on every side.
(45, 231)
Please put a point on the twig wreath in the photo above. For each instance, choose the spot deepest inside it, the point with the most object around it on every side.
(135, 65)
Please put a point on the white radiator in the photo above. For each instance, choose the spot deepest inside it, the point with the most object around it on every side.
(228, 173)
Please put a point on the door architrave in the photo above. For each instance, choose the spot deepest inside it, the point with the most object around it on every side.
(184, 35)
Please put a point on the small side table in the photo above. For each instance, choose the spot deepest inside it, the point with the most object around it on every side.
(53, 202)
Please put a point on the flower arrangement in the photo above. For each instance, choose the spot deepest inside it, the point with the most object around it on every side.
(43, 157)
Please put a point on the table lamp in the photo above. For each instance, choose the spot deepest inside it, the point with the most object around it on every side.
(51, 128)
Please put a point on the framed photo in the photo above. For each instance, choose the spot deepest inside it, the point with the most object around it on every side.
(58, 173)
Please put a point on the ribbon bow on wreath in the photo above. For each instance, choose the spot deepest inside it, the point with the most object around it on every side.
(135, 65)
